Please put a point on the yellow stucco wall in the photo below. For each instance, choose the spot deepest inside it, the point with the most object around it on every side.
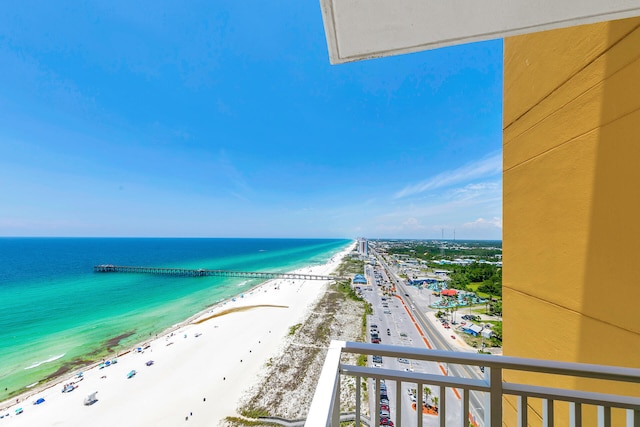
(571, 279)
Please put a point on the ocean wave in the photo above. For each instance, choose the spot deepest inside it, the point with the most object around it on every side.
(51, 359)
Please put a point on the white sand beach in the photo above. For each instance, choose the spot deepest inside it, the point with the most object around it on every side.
(199, 371)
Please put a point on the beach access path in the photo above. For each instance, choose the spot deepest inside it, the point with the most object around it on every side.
(199, 372)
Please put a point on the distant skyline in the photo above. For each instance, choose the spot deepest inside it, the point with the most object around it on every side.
(225, 119)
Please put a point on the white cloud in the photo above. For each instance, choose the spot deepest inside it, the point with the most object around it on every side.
(482, 223)
(487, 167)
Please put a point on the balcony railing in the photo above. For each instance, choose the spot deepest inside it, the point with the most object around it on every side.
(325, 408)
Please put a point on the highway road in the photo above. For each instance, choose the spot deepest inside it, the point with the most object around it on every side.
(393, 325)
(437, 340)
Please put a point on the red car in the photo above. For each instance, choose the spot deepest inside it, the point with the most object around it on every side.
(386, 422)
(384, 407)
(375, 340)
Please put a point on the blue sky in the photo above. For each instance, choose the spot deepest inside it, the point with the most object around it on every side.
(225, 119)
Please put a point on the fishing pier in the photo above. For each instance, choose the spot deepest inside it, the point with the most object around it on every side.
(201, 272)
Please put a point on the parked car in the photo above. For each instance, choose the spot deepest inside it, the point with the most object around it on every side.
(403, 360)
(375, 340)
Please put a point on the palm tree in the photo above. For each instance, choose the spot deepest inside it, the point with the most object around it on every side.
(427, 393)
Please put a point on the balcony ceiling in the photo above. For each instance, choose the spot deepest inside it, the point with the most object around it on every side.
(362, 29)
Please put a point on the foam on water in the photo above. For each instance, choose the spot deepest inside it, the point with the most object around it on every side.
(51, 359)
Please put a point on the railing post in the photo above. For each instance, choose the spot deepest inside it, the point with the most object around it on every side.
(419, 392)
(523, 409)
(376, 411)
(493, 403)
(442, 411)
(633, 418)
(575, 414)
(335, 416)
(398, 403)
(547, 413)
(465, 407)
(358, 385)
(604, 416)
(324, 400)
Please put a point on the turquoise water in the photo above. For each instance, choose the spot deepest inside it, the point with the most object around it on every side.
(57, 315)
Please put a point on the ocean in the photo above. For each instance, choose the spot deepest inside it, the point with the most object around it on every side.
(57, 315)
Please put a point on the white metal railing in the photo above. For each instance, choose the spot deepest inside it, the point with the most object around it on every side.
(325, 407)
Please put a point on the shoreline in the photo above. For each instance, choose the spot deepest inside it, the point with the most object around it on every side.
(247, 308)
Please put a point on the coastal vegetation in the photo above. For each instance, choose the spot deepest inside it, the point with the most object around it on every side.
(349, 266)
(287, 385)
(465, 262)
(439, 249)
(477, 277)
(294, 328)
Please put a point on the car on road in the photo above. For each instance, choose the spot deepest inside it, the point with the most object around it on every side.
(377, 359)
(386, 422)
(375, 340)
(387, 312)
(406, 295)
(453, 337)
(403, 360)
(374, 326)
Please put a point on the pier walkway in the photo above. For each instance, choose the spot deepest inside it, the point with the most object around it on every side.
(201, 272)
